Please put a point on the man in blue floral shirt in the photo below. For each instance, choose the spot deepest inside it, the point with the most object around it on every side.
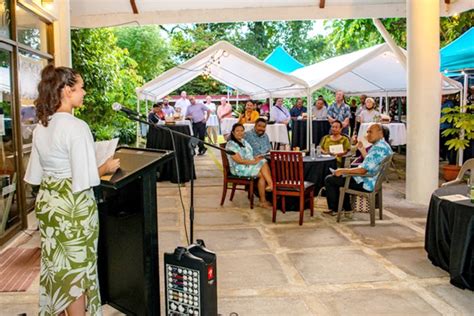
(340, 111)
(367, 170)
(257, 138)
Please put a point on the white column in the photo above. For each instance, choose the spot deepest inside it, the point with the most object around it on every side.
(424, 98)
(62, 35)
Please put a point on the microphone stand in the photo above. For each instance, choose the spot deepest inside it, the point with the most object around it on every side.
(193, 141)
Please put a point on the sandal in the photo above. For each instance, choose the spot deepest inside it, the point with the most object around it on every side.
(269, 189)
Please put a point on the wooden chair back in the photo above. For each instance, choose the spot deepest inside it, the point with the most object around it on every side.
(287, 170)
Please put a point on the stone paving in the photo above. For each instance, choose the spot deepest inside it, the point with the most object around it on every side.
(320, 268)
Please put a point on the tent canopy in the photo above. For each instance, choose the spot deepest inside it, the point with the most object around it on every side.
(231, 66)
(375, 71)
(459, 54)
(281, 60)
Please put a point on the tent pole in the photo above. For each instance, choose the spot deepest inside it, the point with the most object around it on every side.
(463, 110)
(309, 126)
(138, 137)
(386, 104)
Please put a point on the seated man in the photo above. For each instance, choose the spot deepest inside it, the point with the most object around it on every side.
(319, 111)
(257, 138)
(250, 115)
(156, 114)
(369, 168)
(298, 109)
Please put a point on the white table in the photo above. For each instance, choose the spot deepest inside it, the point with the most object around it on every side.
(277, 133)
(398, 133)
(226, 125)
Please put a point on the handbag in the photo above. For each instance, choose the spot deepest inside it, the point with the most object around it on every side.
(360, 204)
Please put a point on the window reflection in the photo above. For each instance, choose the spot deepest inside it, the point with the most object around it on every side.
(5, 20)
(31, 30)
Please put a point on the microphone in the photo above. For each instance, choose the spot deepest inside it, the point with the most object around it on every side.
(119, 107)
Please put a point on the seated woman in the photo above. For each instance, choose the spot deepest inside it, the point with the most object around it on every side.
(369, 114)
(334, 139)
(244, 164)
(250, 115)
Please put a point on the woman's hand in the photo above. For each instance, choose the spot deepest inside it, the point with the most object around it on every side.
(110, 166)
(360, 145)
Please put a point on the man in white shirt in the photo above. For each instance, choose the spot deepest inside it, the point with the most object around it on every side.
(182, 103)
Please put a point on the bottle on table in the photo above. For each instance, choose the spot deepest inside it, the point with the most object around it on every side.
(318, 151)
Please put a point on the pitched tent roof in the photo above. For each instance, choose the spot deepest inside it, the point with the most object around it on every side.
(281, 60)
(231, 66)
(459, 54)
(375, 71)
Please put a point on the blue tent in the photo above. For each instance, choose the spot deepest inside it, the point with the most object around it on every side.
(282, 61)
(459, 54)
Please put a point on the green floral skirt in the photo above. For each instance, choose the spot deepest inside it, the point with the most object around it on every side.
(69, 227)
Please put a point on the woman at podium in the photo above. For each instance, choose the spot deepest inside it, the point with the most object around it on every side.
(63, 163)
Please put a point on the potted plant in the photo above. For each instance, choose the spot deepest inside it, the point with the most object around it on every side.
(460, 134)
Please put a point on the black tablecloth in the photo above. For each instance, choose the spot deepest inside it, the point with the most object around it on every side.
(314, 171)
(449, 239)
(161, 139)
(298, 137)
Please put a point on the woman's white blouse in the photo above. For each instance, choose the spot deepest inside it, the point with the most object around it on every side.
(64, 149)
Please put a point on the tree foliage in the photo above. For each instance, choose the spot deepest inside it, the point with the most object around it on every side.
(109, 76)
(147, 47)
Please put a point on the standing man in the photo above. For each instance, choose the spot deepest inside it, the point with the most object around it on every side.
(340, 111)
(224, 110)
(298, 109)
(279, 113)
(257, 138)
(182, 103)
(198, 113)
(167, 108)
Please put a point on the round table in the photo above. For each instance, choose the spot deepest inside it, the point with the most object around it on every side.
(449, 236)
(298, 130)
(398, 133)
(161, 139)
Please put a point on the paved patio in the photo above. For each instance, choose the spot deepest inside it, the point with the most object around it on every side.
(320, 268)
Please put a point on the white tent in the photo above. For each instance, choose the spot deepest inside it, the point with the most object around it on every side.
(375, 71)
(231, 66)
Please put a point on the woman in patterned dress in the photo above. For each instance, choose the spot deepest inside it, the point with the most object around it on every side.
(63, 163)
(244, 164)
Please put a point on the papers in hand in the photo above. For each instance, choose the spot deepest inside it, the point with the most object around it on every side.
(336, 149)
(104, 150)
(454, 197)
(332, 170)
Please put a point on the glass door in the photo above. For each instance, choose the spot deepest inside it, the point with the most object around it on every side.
(10, 217)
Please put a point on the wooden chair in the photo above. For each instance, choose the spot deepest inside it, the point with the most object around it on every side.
(371, 196)
(229, 178)
(467, 166)
(288, 180)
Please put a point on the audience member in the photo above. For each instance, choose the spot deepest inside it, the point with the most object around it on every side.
(364, 176)
(369, 114)
(224, 110)
(167, 108)
(182, 103)
(335, 139)
(340, 111)
(250, 115)
(258, 139)
(298, 109)
(279, 113)
(198, 113)
(319, 111)
(244, 163)
(156, 114)
(212, 121)
(444, 152)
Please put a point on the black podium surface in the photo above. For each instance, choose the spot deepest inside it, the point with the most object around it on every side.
(298, 136)
(449, 239)
(161, 139)
(128, 237)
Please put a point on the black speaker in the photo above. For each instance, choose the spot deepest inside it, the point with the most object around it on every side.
(191, 281)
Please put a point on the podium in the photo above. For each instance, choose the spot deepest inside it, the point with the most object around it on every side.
(128, 236)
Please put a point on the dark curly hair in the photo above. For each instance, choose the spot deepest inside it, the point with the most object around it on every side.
(53, 80)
